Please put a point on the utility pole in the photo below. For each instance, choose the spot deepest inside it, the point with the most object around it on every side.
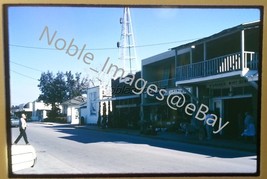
(127, 52)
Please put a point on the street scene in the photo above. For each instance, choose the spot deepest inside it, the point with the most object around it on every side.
(133, 90)
(68, 149)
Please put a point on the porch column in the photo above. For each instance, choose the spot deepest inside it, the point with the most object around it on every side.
(142, 102)
(191, 61)
(243, 50)
(204, 58)
(175, 66)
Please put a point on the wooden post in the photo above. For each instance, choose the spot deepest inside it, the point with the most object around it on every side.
(243, 50)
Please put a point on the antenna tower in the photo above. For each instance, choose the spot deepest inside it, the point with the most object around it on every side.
(127, 52)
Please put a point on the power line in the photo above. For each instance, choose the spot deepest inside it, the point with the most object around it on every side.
(166, 43)
(26, 66)
(24, 75)
(44, 48)
(105, 48)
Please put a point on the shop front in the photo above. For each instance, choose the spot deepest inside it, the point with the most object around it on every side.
(231, 99)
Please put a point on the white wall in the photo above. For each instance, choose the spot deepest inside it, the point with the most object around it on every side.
(93, 96)
(73, 115)
(83, 113)
(42, 107)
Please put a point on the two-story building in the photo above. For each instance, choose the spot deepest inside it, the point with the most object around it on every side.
(220, 71)
(125, 102)
(160, 71)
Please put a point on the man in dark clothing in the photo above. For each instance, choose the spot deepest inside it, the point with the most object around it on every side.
(22, 129)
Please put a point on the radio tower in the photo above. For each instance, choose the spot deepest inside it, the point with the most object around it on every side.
(127, 52)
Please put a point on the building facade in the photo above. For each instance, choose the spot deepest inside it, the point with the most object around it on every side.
(97, 100)
(71, 109)
(40, 110)
(35, 111)
(220, 71)
(125, 102)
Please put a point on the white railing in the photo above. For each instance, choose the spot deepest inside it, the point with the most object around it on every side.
(218, 65)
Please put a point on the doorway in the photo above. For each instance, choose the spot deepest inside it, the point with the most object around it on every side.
(234, 110)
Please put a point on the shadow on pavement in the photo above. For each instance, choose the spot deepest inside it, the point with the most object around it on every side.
(96, 135)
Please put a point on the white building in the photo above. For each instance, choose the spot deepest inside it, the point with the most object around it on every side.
(35, 111)
(96, 95)
(39, 110)
(71, 109)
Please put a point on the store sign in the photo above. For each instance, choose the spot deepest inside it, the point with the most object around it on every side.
(179, 91)
(228, 83)
(174, 91)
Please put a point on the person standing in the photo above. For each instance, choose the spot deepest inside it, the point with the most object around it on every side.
(207, 123)
(249, 127)
(22, 129)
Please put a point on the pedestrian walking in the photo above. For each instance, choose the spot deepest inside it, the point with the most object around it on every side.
(22, 129)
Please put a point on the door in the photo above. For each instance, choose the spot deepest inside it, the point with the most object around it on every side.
(234, 110)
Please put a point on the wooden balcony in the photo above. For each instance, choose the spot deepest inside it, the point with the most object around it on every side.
(219, 65)
(163, 84)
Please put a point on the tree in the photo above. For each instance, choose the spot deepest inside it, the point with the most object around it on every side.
(56, 89)
(53, 90)
(75, 85)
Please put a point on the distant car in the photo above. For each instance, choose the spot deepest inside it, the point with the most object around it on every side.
(22, 157)
(14, 121)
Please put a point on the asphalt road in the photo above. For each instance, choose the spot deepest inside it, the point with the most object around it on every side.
(66, 150)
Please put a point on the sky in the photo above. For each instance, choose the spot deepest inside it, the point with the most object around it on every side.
(155, 31)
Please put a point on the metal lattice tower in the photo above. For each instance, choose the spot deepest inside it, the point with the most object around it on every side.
(127, 52)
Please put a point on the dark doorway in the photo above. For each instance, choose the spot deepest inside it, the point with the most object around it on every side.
(234, 110)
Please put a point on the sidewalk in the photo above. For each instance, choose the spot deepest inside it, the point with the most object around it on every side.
(171, 136)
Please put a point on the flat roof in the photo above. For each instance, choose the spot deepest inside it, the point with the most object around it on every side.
(158, 57)
(240, 27)
(171, 52)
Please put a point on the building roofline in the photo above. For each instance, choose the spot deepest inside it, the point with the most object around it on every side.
(158, 57)
(240, 27)
(171, 52)
(75, 101)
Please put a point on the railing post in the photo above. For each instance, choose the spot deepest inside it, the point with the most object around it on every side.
(204, 68)
(204, 58)
(239, 61)
(243, 50)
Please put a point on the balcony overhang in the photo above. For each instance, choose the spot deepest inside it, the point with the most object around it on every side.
(251, 75)
(209, 78)
(244, 64)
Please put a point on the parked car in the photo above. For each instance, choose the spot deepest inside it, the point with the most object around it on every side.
(14, 121)
(22, 157)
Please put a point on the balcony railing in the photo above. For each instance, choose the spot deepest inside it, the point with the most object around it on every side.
(219, 65)
(168, 83)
